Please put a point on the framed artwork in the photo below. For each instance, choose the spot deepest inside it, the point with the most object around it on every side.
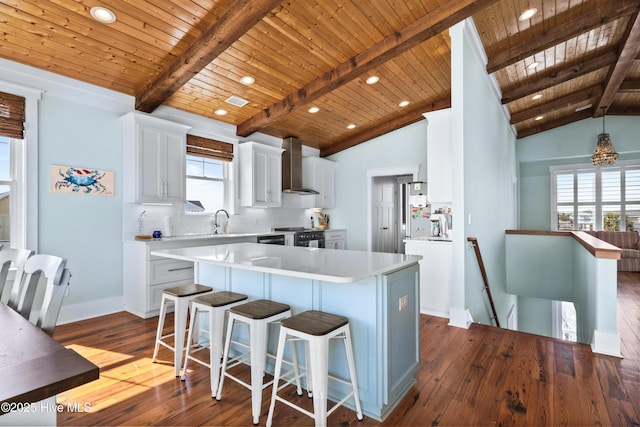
(73, 180)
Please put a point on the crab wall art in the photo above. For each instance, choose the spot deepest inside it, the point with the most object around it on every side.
(65, 179)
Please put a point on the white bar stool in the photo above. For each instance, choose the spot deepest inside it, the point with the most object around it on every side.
(180, 297)
(257, 315)
(316, 328)
(215, 305)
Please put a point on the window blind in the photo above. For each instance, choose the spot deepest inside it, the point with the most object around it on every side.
(210, 148)
(11, 115)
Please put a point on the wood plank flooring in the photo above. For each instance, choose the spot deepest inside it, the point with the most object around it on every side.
(480, 376)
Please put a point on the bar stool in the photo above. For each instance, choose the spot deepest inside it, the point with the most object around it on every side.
(180, 297)
(215, 305)
(316, 329)
(257, 315)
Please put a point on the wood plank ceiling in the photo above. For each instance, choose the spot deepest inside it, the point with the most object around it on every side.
(191, 55)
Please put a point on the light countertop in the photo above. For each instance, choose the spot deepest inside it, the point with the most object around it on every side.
(220, 236)
(332, 265)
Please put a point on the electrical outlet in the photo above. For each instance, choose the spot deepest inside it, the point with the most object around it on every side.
(404, 302)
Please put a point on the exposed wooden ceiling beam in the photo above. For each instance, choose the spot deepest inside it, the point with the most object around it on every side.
(624, 110)
(386, 127)
(630, 49)
(556, 123)
(440, 19)
(588, 94)
(556, 77)
(241, 16)
(541, 40)
(630, 86)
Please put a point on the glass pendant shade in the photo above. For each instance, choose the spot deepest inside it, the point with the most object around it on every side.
(604, 153)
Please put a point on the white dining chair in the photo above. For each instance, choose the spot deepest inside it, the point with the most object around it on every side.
(55, 280)
(15, 258)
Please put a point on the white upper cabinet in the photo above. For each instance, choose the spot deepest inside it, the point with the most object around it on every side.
(439, 172)
(320, 175)
(260, 175)
(154, 159)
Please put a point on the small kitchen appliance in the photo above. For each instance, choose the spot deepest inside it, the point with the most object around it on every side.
(439, 227)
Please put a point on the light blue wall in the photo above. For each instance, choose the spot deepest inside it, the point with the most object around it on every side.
(484, 167)
(403, 147)
(87, 230)
(568, 144)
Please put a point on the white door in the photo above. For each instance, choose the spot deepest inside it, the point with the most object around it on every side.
(384, 215)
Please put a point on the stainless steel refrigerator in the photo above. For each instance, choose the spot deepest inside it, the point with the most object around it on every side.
(418, 211)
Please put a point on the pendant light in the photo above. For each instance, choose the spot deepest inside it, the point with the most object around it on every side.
(604, 153)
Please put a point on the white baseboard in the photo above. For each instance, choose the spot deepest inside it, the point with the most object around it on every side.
(460, 318)
(606, 343)
(86, 310)
(437, 313)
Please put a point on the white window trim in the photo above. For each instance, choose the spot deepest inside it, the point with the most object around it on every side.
(25, 232)
(554, 170)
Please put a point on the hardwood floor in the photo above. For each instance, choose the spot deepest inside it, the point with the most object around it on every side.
(480, 376)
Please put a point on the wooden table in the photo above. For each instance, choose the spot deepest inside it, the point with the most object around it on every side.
(34, 367)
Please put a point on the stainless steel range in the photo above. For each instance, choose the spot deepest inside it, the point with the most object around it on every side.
(305, 236)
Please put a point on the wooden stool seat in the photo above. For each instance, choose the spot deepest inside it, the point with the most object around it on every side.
(219, 299)
(187, 290)
(315, 323)
(260, 309)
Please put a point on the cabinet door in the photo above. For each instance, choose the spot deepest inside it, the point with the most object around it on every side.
(152, 159)
(320, 175)
(261, 183)
(275, 179)
(328, 177)
(174, 177)
(161, 177)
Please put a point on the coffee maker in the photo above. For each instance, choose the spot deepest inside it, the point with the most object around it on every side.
(439, 227)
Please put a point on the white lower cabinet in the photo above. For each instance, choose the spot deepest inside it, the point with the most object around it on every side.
(436, 271)
(146, 276)
(335, 239)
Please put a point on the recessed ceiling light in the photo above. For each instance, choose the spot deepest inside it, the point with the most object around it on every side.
(247, 80)
(404, 103)
(220, 112)
(539, 118)
(102, 14)
(536, 96)
(533, 65)
(351, 126)
(372, 80)
(527, 14)
(313, 110)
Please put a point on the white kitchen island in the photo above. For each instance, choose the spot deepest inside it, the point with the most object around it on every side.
(378, 292)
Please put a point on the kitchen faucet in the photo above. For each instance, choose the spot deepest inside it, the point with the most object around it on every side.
(215, 219)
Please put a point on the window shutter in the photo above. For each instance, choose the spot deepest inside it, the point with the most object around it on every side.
(11, 116)
(210, 148)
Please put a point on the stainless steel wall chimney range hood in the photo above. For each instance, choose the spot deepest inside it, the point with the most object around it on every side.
(292, 167)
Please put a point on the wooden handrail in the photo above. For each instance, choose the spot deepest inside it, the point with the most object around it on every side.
(476, 248)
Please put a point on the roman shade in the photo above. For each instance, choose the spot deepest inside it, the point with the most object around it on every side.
(11, 115)
(210, 148)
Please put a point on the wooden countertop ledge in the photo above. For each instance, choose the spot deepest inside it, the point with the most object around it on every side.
(598, 248)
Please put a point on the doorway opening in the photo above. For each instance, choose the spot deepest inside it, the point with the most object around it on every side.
(387, 213)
